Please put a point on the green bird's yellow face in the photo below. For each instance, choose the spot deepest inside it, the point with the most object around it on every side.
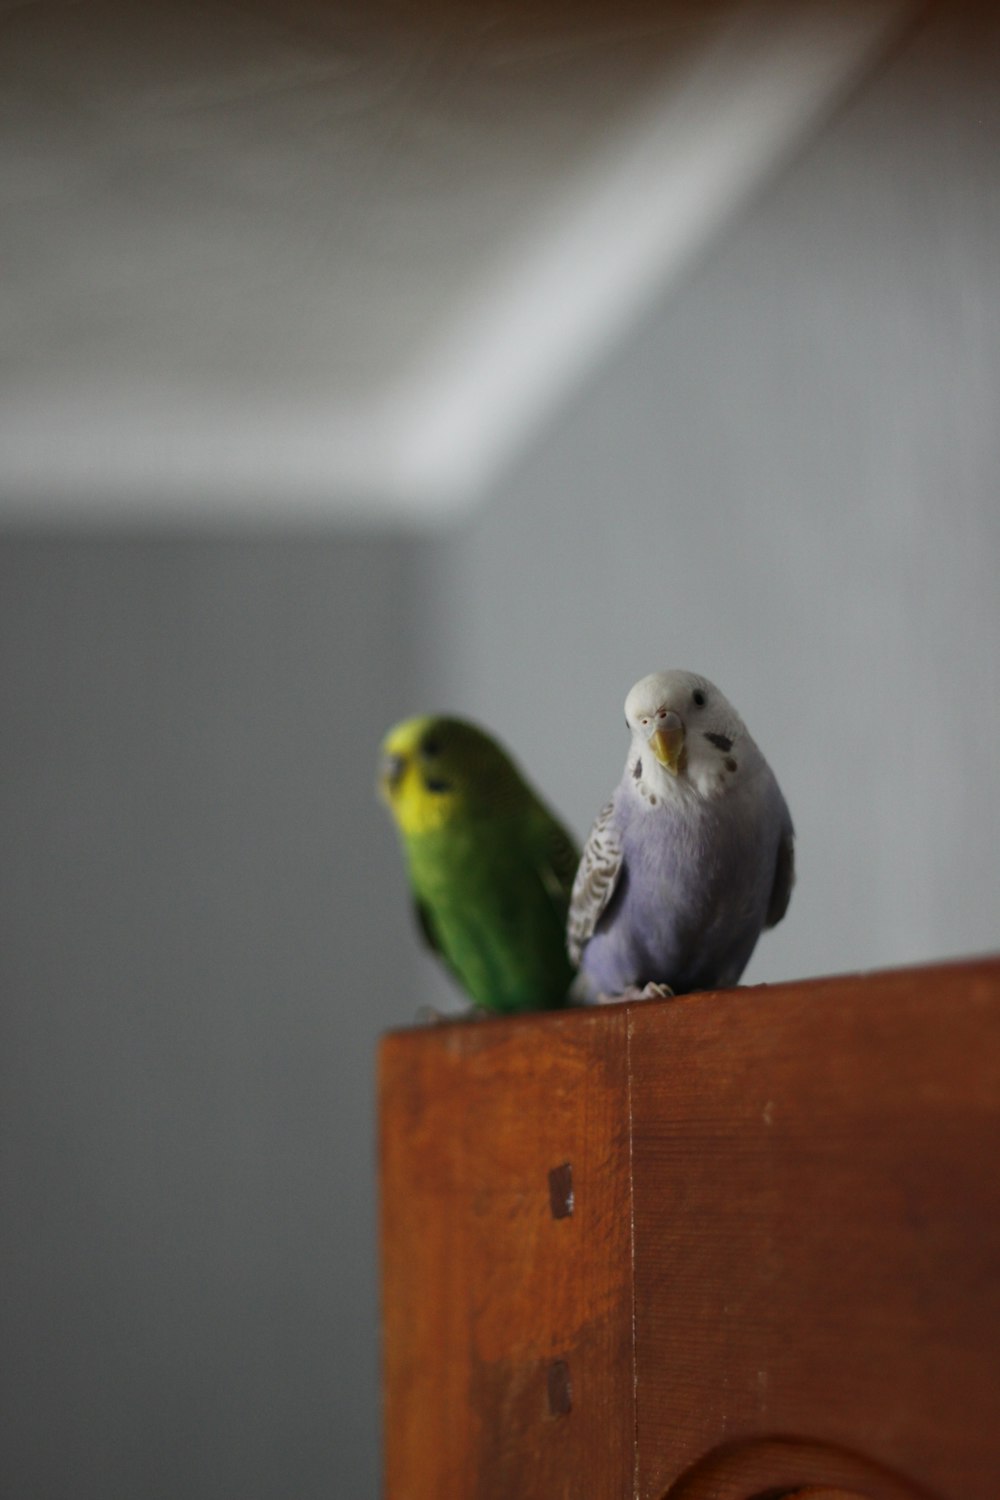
(436, 769)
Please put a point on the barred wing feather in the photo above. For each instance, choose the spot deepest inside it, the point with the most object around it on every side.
(595, 882)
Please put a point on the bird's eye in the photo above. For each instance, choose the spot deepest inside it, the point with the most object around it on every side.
(431, 747)
(437, 787)
(644, 719)
(698, 697)
(661, 713)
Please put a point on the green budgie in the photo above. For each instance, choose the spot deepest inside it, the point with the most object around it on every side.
(490, 868)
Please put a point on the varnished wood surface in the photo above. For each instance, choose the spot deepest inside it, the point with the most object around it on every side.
(817, 1222)
(780, 1269)
(507, 1292)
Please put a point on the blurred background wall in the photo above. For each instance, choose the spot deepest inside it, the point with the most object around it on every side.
(196, 961)
(786, 478)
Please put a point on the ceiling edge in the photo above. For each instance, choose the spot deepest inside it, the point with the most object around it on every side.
(434, 447)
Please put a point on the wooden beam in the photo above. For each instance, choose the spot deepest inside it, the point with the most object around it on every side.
(733, 1245)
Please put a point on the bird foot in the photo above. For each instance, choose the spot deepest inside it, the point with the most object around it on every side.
(633, 992)
(428, 1015)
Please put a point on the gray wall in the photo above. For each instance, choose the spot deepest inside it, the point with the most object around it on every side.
(788, 480)
(194, 967)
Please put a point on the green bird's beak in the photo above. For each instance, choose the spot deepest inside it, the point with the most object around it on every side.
(667, 743)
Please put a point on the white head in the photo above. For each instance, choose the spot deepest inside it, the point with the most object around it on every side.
(686, 738)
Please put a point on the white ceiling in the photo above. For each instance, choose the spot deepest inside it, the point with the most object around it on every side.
(288, 257)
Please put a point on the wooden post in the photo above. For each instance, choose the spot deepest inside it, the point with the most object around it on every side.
(737, 1245)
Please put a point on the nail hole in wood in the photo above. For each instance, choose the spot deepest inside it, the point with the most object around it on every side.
(561, 1191)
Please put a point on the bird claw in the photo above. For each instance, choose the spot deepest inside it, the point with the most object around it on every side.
(656, 992)
(649, 991)
(428, 1015)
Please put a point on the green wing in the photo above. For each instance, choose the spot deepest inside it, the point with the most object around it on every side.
(425, 923)
(558, 863)
(491, 902)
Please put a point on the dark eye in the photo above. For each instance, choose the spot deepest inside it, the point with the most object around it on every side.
(698, 697)
(430, 747)
(437, 786)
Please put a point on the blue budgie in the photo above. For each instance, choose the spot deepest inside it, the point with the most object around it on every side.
(690, 860)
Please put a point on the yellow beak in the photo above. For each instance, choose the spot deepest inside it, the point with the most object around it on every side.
(667, 745)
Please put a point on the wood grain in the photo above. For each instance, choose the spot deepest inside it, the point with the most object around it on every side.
(817, 1226)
